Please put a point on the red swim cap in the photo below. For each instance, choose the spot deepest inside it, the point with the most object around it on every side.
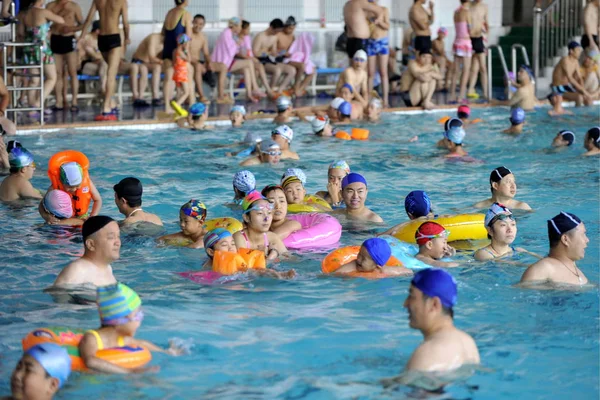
(427, 231)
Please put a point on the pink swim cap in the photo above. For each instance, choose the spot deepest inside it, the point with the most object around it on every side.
(58, 203)
(443, 30)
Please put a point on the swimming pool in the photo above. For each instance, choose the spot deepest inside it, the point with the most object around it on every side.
(318, 337)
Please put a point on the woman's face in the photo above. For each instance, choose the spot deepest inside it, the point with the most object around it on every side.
(335, 176)
(277, 197)
(260, 218)
(236, 29)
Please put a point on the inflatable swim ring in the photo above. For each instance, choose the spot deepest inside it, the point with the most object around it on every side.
(343, 135)
(405, 253)
(334, 260)
(318, 230)
(231, 224)
(127, 357)
(308, 207)
(227, 263)
(82, 197)
(360, 134)
(461, 227)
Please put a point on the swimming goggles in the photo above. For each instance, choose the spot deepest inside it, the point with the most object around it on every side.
(443, 234)
(257, 207)
(138, 317)
(501, 217)
(272, 153)
(358, 59)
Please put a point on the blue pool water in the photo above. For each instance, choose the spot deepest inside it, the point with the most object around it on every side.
(318, 337)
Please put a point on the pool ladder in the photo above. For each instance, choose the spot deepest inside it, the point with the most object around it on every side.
(513, 56)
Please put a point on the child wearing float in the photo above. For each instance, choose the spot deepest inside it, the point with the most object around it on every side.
(504, 188)
(191, 220)
(517, 118)
(18, 184)
(58, 209)
(336, 172)
(237, 115)
(40, 373)
(195, 119)
(294, 190)
(120, 316)
(280, 225)
(374, 253)
(418, 207)
(432, 239)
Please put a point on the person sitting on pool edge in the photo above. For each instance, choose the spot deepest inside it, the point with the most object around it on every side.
(283, 135)
(196, 118)
(321, 126)
(280, 225)
(504, 188)
(563, 138)
(374, 253)
(40, 373)
(568, 240)
(354, 195)
(101, 247)
(17, 185)
(591, 142)
(454, 143)
(128, 198)
(244, 182)
(257, 218)
(121, 316)
(418, 207)
(191, 220)
(58, 209)
(237, 115)
(344, 112)
(269, 153)
(517, 118)
(430, 305)
(336, 172)
(432, 239)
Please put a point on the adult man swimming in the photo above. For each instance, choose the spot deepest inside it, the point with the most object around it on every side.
(102, 244)
(568, 240)
(18, 185)
(128, 198)
(354, 195)
(504, 188)
(283, 135)
(591, 142)
(563, 138)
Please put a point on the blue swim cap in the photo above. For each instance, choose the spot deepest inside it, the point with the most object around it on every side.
(345, 108)
(19, 157)
(212, 237)
(379, 250)
(349, 87)
(198, 109)
(456, 135)
(54, 359)
(517, 116)
(417, 204)
(435, 282)
(353, 177)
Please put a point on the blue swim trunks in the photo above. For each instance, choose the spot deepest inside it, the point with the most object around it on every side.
(376, 47)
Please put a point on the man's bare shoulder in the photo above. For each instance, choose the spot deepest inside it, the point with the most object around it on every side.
(73, 272)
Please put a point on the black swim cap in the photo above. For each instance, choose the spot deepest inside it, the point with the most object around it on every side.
(594, 134)
(94, 224)
(452, 123)
(561, 224)
(129, 189)
(499, 173)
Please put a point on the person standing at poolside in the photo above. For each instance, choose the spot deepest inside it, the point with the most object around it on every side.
(357, 24)
(102, 245)
(378, 50)
(421, 20)
(354, 195)
(438, 50)
(128, 198)
(568, 240)
(504, 188)
(478, 26)
(146, 59)
(199, 49)
(589, 40)
(109, 44)
(462, 48)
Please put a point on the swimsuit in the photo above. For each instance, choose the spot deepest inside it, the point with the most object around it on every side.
(62, 44)
(180, 70)
(33, 54)
(136, 61)
(267, 60)
(120, 340)
(502, 255)
(171, 38)
(563, 89)
(585, 42)
(477, 44)
(378, 47)
(108, 42)
(423, 44)
(265, 238)
(462, 45)
(355, 44)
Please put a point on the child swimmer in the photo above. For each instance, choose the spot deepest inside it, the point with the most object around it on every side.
(432, 239)
(374, 253)
(191, 220)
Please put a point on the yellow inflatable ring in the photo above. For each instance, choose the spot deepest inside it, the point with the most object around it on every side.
(231, 224)
(308, 207)
(461, 227)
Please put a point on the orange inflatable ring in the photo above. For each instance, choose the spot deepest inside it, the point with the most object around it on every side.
(127, 357)
(227, 263)
(82, 197)
(360, 134)
(343, 135)
(342, 256)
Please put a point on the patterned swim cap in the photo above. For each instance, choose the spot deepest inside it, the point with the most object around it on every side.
(284, 131)
(198, 109)
(341, 164)
(116, 302)
(212, 237)
(183, 38)
(297, 172)
(244, 181)
(238, 108)
(250, 199)
(195, 209)
(19, 157)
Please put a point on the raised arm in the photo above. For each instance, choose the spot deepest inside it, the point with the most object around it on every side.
(86, 25)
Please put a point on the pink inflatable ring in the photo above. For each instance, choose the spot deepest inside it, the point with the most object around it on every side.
(318, 230)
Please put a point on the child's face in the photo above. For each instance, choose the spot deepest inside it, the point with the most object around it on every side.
(236, 29)
(346, 94)
(246, 31)
(71, 189)
(437, 247)
(236, 117)
(226, 244)
(294, 193)
(189, 225)
(364, 262)
(31, 381)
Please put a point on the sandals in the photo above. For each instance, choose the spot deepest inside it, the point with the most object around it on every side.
(106, 117)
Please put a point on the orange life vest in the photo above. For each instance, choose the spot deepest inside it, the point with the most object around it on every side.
(82, 197)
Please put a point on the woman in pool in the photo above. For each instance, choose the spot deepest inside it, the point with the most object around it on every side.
(191, 220)
(269, 153)
(280, 224)
(504, 188)
(336, 172)
(591, 142)
(257, 218)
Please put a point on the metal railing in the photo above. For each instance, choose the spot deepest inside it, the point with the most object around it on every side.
(489, 69)
(553, 28)
(513, 56)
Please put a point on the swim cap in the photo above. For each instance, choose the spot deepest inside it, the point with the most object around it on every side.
(19, 157)
(183, 38)
(429, 230)
(527, 69)
(267, 145)
(212, 237)
(284, 131)
(289, 180)
(345, 108)
(197, 109)
(561, 224)
(283, 103)
(495, 209)
(456, 135)
(250, 199)
(361, 55)
(517, 116)
(499, 173)
(417, 204)
(116, 302)
(435, 282)
(297, 172)
(195, 209)
(452, 123)
(94, 224)
(573, 45)
(463, 111)
(353, 177)
(341, 164)
(335, 103)
(235, 21)
(129, 189)
(244, 181)
(54, 359)
(379, 250)
(594, 134)
(568, 136)
(349, 87)
(319, 123)
(290, 21)
(376, 102)
(71, 174)
(252, 138)
(7, 127)
(238, 108)
(58, 203)
(12, 144)
(443, 30)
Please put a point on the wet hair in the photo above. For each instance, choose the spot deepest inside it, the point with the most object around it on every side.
(95, 25)
(199, 16)
(245, 24)
(179, 2)
(445, 310)
(594, 134)
(462, 115)
(196, 117)
(424, 53)
(15, 170)
(276, 24)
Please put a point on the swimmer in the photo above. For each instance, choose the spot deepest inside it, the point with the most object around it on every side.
(269, 152)
(17, 185)
(504, 188)
(463, 113)
(357, 107)
(563, 138)
(237, 115)
(252, 140)
(294, 190)
(128, 198)
(568, 240)
(432, 239)
(524, 97)
(285, 111)
(450, 123)
(336, 172)
(59, 209)
(354, 195)
(40, 373)
(374, 108)
(280, 225)
(191, 220)
(283, 136)
(355, 76)
(257, 219)
(517, 118)
(591, 142)
(374, 253)
(71, 180)
(101, 247)
(332, 110)
(322, 127)
(196, 119)
(418, 207)
(244, 182)
(454, 142)
(121, 315)
(344, 113)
